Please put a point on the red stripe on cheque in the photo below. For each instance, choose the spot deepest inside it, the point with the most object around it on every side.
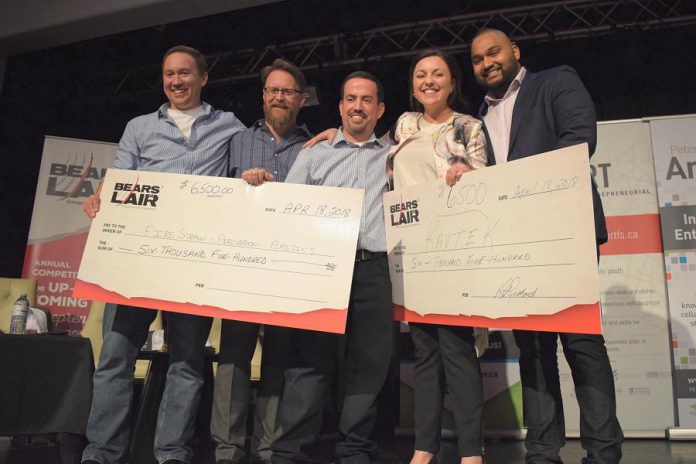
(634, 234)
(325, 320)
(576, 319)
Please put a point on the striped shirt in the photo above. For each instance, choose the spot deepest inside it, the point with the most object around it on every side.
(153, 142)
(344, 164)
(257, 147)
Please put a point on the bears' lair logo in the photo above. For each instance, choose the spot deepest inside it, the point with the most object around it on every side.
(135, 194)
(75, 179)
(404, 213)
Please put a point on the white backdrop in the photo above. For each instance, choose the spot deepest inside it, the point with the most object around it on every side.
(632, 284)
(674, 151)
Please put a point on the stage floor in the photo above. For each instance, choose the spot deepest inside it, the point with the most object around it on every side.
(498, 452)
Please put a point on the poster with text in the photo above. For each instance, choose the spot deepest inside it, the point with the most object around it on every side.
(70, 171)
(632, 286)
(674, 151)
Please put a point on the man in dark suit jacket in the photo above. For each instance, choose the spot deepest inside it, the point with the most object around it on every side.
(526, 114)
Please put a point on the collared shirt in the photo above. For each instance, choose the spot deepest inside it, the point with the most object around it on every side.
(498, 118)
(153, 142)
(345, 164)
(257, 147)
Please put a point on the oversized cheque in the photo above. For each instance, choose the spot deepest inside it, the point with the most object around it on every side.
(509, 246)
(281, 254)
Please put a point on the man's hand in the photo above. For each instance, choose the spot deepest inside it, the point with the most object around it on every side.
(454, 173)
(257, 176)
(91, 206)
(329, 135)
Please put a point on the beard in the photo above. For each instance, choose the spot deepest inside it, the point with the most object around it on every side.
(508, 74)
(279, 119)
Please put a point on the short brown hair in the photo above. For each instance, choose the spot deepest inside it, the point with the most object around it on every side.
(197, 56)
(280, 64)
(369, 77)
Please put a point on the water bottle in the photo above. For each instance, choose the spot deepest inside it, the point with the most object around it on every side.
(19, 315)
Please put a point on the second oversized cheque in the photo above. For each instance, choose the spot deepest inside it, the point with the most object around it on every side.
(508, 246)
(279, 253)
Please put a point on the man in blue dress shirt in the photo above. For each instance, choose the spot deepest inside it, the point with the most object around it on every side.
(185, 136)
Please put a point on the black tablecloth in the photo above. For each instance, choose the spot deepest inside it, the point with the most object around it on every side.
(45, 384)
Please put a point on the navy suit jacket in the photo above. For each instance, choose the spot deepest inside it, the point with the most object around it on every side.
(553, 110)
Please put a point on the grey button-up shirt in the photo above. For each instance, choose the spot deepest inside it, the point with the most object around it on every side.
(256, 147)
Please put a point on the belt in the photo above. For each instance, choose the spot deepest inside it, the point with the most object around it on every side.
(365, 255)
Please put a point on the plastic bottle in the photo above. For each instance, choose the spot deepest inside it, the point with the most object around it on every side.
(20, 312)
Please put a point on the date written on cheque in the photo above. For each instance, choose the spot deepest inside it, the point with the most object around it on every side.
(305, 209)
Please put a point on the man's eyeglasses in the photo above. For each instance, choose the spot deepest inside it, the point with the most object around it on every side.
(287, 93)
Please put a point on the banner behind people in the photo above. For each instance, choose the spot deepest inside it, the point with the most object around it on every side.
(634, 304)
(674, 151)
(70, 171)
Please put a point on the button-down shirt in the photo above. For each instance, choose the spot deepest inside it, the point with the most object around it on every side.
(345, 164)
(153, 142)
(257, 147)
(498, 118)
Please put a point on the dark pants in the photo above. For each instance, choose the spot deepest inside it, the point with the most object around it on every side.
(600, 432)
(367, 344)
(228, 425)
(446, 355)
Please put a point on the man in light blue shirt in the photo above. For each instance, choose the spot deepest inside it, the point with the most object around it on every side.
(184, 136)
(355, 159)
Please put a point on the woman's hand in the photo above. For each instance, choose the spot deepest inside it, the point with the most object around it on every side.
(329, 135)
(257, 176)
(454, 173)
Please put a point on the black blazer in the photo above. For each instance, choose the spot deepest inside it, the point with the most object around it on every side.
(553, 110)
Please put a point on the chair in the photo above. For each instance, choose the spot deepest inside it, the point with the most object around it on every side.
(10, 290)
